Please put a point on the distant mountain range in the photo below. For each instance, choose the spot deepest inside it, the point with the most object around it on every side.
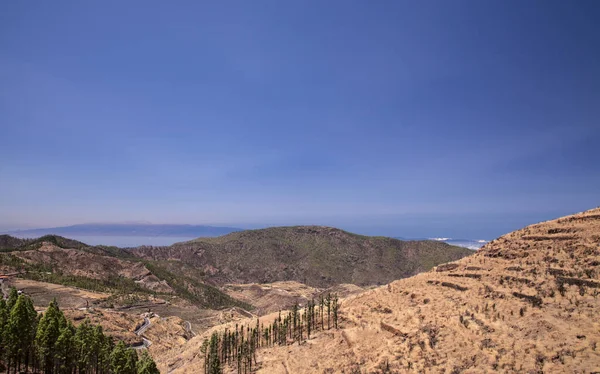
(127, 229)
(317, 256)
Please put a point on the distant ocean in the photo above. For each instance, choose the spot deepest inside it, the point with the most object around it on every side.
(467, 243)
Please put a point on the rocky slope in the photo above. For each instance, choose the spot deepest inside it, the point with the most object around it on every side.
(526, 302)
(313, 255)
(53, 259)
(84, 264)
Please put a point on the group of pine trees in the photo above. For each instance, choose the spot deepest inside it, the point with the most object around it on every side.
(49, 343)
(238, 347)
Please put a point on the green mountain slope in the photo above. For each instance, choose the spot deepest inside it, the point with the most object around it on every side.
(8, 242)
(314, 255)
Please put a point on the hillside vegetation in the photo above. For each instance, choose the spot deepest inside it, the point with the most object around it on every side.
(54, 259)
(526, 302)
(313, 255)
(8, 242)
(200, 271)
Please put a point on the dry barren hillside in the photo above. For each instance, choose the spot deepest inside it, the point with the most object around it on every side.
(314, 255)
(90, 265)
(526, 302)
(53, 259)
(272, 297)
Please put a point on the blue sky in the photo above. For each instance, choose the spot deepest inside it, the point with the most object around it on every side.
(445, 118)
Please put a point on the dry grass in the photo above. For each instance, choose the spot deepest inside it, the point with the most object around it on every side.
(272, 297)
(512, 312)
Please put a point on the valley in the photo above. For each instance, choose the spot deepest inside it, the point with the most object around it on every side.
(191, 287)
(525, 302)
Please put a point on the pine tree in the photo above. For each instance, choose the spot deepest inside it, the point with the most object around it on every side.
(118, 358)
(328, 304)
(257, 334)
(29, 335)
(46, 338)
(131, 362)
(214, 365)
(48, 330)
(13, 295)
(146, 365)
(3, 320)
(108, 345)
(64, 350)
(84, 343)
(294, 320)
(301, 328)
(19, 332)
(336, 307)
(321, 304)
(96, 347)
(30, 341)
(204, 350)
(308, 320)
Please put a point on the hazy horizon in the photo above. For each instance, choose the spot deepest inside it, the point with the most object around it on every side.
(133, 235)
(461, 119)
(415, 226)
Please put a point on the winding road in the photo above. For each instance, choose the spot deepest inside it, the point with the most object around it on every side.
(146, 342)
(142, 329)
(139, 331)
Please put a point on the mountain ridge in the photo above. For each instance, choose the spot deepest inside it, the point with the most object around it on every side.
(318, 256)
